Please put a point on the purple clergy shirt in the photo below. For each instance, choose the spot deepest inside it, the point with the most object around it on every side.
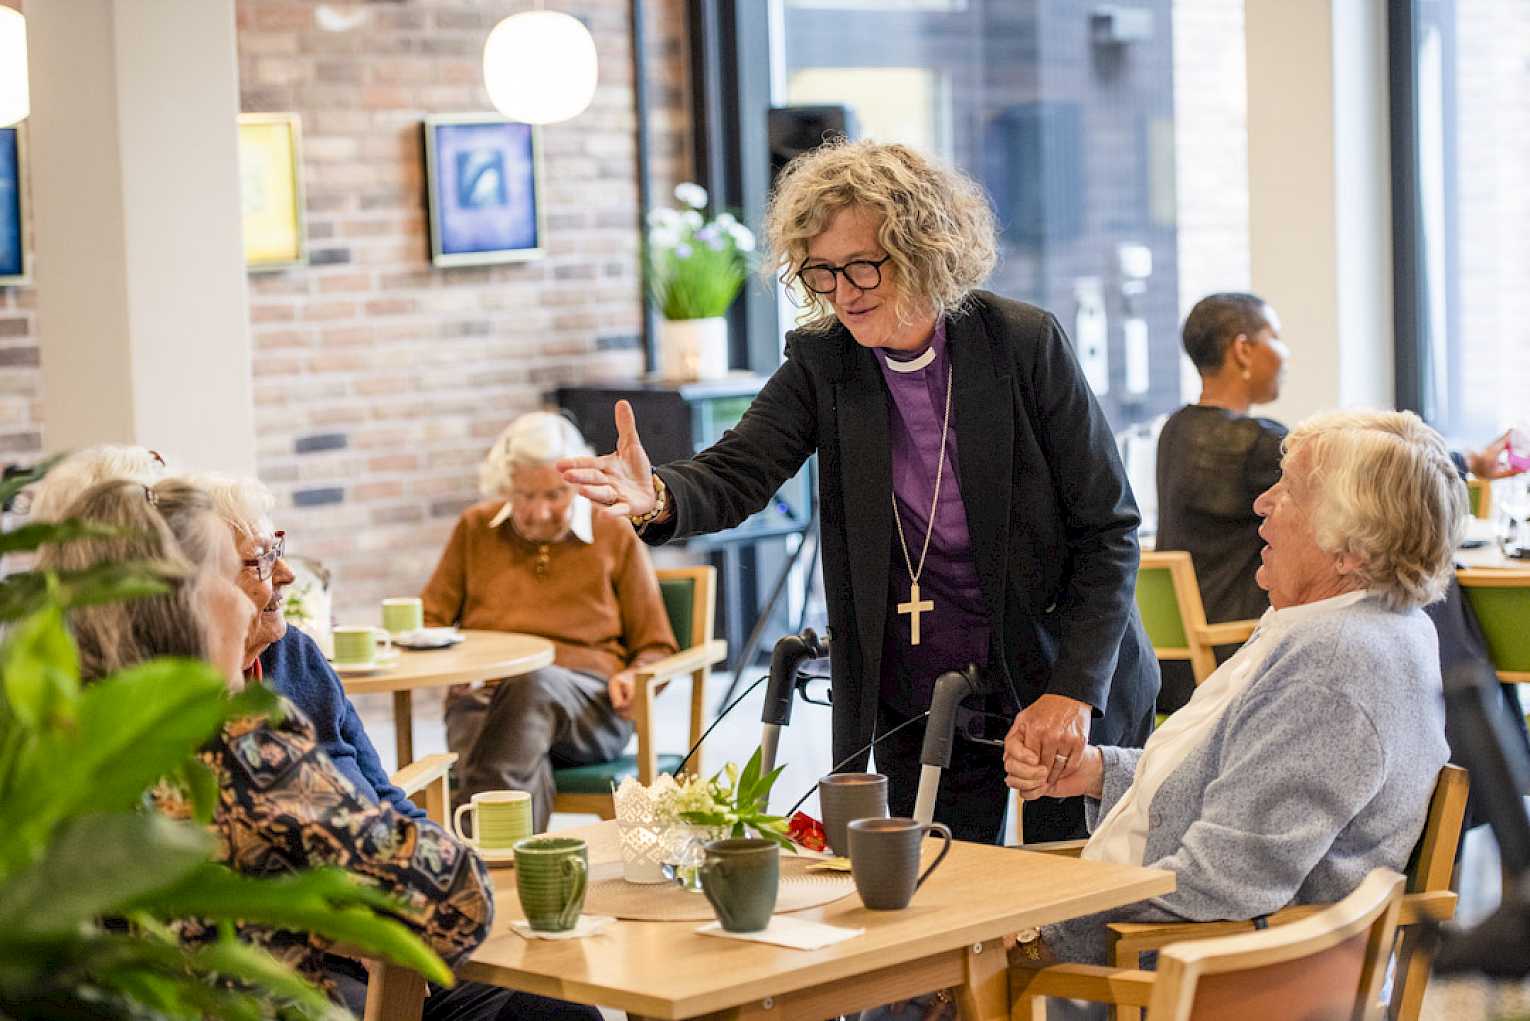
(956, 632)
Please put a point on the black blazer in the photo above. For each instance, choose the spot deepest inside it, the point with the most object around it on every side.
(1049, 509)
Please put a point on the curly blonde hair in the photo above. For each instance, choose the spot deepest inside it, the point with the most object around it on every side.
(1381, 485)
(937, 224)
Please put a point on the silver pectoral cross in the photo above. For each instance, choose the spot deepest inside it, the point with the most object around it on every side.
(914, 607)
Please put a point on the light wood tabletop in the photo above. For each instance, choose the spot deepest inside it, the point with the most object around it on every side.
(1489, 557)
(481, 656)
(950, 937)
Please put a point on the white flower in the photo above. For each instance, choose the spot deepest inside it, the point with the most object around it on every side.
(682, 251)
(664, 217)
(692, 219)
(693, 195)
(743, 237)
(725, 220)
(664, 238)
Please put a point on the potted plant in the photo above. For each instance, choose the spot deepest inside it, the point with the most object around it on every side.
(90, 879)
(696, 267)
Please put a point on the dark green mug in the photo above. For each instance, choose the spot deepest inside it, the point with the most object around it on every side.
(740, 878)
(550, 875)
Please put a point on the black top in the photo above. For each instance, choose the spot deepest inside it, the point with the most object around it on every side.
(1212, 463)
(1052, 519)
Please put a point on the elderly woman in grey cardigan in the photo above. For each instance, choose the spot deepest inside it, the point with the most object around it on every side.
(1309, 757)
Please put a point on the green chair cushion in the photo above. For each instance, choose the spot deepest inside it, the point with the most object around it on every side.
(679, 602)
(1504, 614)
(598, 777)
(1159, 607)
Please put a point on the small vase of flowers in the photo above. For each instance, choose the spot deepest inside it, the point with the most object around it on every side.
(733, 803)
(696, 268)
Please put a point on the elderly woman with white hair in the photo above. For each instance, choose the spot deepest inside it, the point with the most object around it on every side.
(1308, 758)
(105, 462)
(285, 659)
(533, 558)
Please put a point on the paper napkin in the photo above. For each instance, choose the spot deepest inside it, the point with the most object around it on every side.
(786, 931)
(588, 925)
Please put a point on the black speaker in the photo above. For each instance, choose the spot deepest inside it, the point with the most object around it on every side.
(794, 130)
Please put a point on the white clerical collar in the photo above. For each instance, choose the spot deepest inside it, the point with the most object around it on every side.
(581, 519)
(913, 364)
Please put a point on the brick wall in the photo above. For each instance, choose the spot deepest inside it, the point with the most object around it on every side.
(380, 380)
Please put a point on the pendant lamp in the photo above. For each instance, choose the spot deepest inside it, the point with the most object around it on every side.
(15, 99)
(539, 67)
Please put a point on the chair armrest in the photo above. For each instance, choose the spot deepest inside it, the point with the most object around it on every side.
(1233, 632)
(697, 657)
(1126, 987)
(1130, 938)
(1061, 848)
(421, 773)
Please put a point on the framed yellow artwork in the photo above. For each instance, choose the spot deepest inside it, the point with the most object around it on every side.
(271, 189)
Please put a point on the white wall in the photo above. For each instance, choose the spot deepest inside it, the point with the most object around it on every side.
(135, 182)
(1319, 205)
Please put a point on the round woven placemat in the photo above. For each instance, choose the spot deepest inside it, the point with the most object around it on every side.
(610, 894)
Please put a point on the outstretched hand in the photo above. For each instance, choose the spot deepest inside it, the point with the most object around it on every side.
(620, 483)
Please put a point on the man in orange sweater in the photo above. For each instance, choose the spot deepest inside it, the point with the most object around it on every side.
(535, 560)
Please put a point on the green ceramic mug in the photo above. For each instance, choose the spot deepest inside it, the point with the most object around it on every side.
(741, 877)
(550, 875)
(500, 818)
(358, 646)
(401, 616)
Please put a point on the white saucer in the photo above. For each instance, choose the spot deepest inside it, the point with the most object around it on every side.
(380, 663)
(495, 855)
(428, 638)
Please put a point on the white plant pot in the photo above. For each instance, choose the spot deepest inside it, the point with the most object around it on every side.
(691, 349)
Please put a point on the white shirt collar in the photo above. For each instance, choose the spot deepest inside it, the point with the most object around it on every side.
(581, 519)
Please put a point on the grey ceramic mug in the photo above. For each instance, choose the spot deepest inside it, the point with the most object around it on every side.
(741, 878)
(884, 860)
(843, 797)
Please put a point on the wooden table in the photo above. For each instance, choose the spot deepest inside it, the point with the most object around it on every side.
(1488, 557)
(949, 937)
(481, 656)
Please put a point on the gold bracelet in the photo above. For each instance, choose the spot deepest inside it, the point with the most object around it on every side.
(660, 505)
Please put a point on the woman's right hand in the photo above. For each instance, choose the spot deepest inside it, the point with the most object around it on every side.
(620, 483)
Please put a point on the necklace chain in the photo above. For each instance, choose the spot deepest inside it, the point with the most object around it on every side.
(940, 471)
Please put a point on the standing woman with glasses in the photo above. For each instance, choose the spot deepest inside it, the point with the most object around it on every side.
(974, 508)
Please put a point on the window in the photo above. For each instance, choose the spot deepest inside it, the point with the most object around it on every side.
(1463, 77)
(1111, 137)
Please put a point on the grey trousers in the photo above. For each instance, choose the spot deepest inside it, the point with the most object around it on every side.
(513, 734)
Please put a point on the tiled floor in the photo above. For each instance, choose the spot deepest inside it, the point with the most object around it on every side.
(805, 749)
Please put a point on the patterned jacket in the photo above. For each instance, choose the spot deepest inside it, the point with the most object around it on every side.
(284, 807)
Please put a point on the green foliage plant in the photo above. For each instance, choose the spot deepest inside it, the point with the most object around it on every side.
(91, 877)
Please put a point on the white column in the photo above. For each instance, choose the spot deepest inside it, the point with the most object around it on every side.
(1319, 200)
(142, 310)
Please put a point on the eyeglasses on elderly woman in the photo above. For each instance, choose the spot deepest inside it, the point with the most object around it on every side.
(265, 563)
(821, 277)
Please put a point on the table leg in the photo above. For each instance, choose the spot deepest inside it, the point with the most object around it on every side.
(403, 727)
(984, 992)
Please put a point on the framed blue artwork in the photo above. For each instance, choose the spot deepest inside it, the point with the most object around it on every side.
(13, 269)
(483, 175)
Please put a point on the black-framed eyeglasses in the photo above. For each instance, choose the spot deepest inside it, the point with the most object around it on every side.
(864, 274)
(266, 562)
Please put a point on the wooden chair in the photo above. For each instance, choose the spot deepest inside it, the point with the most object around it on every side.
(1428, 897)
(1330, 964)
(1500, 599)
(690, 597)
(395, 993)
(1169, 600)
(1479, 497)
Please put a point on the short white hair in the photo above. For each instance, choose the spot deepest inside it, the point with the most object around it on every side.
(244, 502)
(535, 440)
(1381, 485)
(80, 471)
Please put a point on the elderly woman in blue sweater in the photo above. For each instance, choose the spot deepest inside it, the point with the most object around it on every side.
(1309, 757)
